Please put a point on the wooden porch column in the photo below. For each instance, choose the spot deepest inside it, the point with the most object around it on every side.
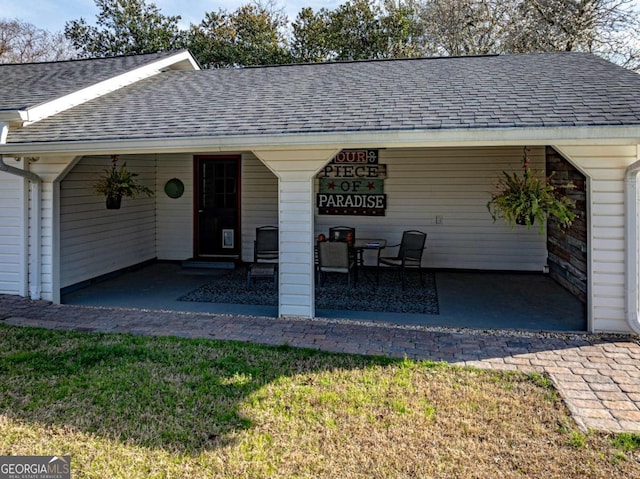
(296, 170)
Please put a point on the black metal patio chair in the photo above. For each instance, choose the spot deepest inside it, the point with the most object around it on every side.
(265, 255)
(409, 256)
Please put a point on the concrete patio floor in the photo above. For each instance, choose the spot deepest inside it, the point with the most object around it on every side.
(477, 300)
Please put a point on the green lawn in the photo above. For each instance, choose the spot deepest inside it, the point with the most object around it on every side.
(134, 407)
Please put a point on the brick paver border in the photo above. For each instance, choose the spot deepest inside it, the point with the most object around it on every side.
(597, 375)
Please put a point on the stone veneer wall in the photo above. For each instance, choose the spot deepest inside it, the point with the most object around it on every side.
(568, 249)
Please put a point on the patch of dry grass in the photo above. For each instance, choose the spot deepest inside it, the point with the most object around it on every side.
(131, 407)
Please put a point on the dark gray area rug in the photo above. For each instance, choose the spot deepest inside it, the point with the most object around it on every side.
(231, 288)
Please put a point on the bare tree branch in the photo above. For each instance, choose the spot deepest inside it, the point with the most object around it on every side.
(22, 42)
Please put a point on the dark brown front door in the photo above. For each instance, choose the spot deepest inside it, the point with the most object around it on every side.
(217, 203)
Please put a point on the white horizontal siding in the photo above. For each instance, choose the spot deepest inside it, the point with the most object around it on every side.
(174, 216)
(259, 201)
(454, 183)
(605, 166)
(94, 240)
(12, 231)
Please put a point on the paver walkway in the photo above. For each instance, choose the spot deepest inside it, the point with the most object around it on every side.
(598, 376)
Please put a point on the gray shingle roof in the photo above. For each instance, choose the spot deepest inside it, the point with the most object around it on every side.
(536, 90)
(26, 85)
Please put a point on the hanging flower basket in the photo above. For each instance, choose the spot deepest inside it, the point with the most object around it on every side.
(113, 202)
(526, 198)
(117, 183)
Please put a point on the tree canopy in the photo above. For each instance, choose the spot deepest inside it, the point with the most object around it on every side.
(251, 35)
(124, 27)
(259, 33)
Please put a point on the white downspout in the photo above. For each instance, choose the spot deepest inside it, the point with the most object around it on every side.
(632, 246)
(35, 225)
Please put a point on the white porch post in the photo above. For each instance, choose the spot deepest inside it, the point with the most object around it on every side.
(44, 250)
(296, 170)
(632, 203)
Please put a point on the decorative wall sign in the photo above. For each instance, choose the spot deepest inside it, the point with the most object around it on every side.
(352, 184)
(356, 156)
(343, 185)
(354, 171)
(361, 205)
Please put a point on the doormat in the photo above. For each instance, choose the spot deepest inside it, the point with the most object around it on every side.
(231, 288)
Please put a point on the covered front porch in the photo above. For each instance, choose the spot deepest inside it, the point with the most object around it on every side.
(441, 191)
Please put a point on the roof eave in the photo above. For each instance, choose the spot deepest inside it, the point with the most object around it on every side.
(182, 60)
(601, 135)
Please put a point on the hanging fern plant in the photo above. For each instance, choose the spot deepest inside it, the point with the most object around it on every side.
(117, 183)
(526, 198)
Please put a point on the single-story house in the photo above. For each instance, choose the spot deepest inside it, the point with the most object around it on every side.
(254, 146)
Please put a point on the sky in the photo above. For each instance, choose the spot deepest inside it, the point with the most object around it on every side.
(51, 15)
